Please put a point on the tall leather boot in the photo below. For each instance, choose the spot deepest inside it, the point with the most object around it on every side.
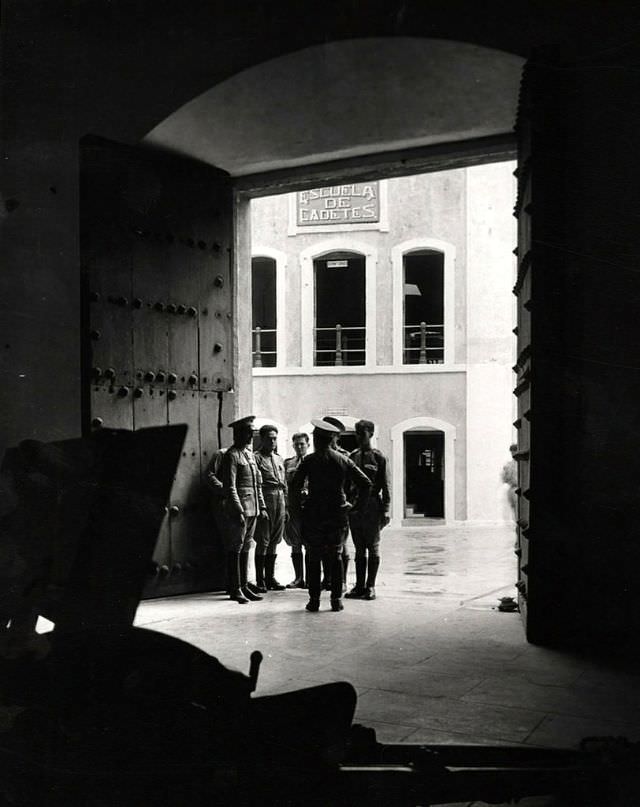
(313, 579)
(345, 569)
(244, 574)
(306, 567)
(326, 575)
(373, 565)
(336, 584)
(233, 578)
(271, 582)
(358, 590)
(261, 585)
(296, 560)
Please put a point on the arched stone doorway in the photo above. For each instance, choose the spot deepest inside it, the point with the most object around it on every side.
(398, 491)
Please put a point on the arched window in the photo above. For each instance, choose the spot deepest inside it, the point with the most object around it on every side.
(423, 321)
(264, 317)
(340, 310)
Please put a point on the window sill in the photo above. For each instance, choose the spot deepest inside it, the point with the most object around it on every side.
(403, 369)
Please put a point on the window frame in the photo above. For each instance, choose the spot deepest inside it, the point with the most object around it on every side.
(398, 253)
(280, 259)
(307, 302)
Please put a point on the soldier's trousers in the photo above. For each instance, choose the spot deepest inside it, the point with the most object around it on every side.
(329, 557)
(269, 531)
(238, 536)
(365, 531)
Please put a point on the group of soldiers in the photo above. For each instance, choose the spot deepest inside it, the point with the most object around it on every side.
(311, 499)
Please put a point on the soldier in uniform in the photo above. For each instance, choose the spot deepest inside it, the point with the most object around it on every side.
(216, 490)
(243, 506)
(327, 474)
(269, 531)
(293, 526)
(326, 571)
(367, 523)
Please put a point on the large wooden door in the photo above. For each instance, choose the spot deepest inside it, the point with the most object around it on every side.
(524, 365)
(156, 252)
(578, 342)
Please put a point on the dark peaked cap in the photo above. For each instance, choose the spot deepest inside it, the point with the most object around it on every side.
(242, 421)
(325, 427)
(334, 422)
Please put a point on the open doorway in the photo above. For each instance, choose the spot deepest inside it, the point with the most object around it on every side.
(424, 475)
(383, 302)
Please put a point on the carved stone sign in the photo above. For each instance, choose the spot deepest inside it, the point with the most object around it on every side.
(356, 203)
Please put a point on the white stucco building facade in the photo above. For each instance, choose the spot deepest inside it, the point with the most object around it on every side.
(392, 301)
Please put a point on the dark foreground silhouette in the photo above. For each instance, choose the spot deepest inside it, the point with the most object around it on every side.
(98, 712)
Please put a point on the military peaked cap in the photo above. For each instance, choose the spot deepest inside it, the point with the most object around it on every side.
(248, 420)
(324, 426)
(334, 422)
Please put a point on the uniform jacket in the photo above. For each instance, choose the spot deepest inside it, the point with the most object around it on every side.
(272, 470)
(291, 466)
(213, 474)
(374, 464)
(242, 482)
(327, 477)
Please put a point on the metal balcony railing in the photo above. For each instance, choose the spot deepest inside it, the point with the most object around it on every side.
(423, 344)
(264, 351)
(340, 345)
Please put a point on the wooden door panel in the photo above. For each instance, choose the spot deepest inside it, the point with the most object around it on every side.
(525, 363)
(216, 324)
(110, 314)
(183, 314)
(150, 325)
(209, 413)
(112, 407)
(164, 226)
(150, 409)
(184, 408)
(106, 279)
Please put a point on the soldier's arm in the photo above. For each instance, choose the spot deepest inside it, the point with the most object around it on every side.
(297, 486)
(229, 471)
(360, 482)
(283, 488)
(211, 476)
(385, 486)
(262, 507)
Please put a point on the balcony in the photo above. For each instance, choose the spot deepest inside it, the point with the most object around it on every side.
(264, 353)
(423, 344)
(340, 346)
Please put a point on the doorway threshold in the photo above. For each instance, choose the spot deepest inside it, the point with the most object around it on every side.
(423, 521)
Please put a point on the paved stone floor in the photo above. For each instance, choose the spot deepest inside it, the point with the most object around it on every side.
(432, 659)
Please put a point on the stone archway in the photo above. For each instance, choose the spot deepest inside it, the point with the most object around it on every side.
(286, 112)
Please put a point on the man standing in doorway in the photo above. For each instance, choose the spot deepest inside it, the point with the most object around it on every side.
(293, 526)
(243, 506)
(326, 571)
(270, 530)
(327, 474)
(213, 477)
(367, 524)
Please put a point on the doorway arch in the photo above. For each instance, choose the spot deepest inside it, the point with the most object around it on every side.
(285, 112)
(397, 464)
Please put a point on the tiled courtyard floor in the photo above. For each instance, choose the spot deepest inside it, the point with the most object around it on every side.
(432, 659)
